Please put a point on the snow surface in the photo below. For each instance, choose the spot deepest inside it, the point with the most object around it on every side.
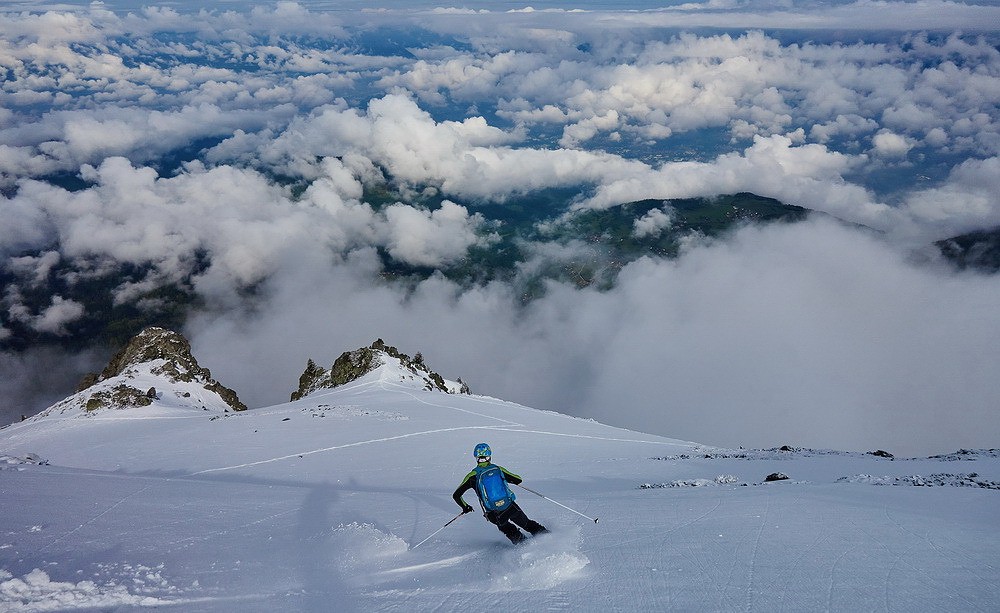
(315, 505)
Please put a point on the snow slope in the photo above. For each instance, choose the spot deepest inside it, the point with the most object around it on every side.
(315, 505)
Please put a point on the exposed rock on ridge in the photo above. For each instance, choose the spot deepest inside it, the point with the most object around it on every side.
(169, 356)
(352, 365)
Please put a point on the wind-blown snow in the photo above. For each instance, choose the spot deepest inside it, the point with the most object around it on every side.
(35, 591)
(316, 505)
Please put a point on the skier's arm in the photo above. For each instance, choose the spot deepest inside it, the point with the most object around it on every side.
(468, 484)
(511, 477)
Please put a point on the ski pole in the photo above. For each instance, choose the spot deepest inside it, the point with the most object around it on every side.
(438, 530)
(593, 519)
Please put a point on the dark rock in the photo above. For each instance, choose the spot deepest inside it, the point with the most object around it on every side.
(156, 344)
(88, 381)
(776, 477)
(313, 378)
(881, 454)
(172, 352)
(121, 396)
(352, 365)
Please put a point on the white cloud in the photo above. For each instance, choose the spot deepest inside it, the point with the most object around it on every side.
(842, 125)
(246, 226)
(751, 83)
(50, 320)
(806, 334)
(968, 200)
(869, 15)
(65, 140)
(653, 223)
(55, 317)
(469, 159)
(37, 268)
(430, 238)
(809, 175)
(891, 145)
(588, 128)
(797, 329)
(133, 216)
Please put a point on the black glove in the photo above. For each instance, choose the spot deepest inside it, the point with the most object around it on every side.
(467, 509)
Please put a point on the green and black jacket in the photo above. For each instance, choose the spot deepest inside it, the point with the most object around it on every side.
(469, 483)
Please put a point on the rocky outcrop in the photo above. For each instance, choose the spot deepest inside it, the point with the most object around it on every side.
(313, 378)
(163, 353)
(352, 365)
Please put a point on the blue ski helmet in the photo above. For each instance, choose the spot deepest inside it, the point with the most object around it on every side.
(482, 452)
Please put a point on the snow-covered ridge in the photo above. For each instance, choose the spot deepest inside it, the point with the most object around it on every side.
(790, 453)
(143, 387)
(154, 371)
(378, 362)
(934, 480)
(799, 456)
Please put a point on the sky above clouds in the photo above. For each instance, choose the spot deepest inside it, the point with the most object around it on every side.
(228, 149)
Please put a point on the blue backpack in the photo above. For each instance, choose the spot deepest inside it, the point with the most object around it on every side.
(492, 488)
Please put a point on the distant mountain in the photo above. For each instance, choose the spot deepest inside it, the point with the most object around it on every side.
(976, 250)
(156, 370)
(719, 214)
(622, 225)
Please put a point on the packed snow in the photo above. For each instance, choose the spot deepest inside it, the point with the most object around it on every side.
(317, 505)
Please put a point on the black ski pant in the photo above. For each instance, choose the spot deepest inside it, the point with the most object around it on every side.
(509, 519)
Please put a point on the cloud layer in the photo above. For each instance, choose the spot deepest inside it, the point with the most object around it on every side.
(809, 334)
(239, 156)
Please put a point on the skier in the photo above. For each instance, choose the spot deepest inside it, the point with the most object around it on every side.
(490, 482)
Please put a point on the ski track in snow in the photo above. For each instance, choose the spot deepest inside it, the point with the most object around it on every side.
(753, 555)
(389, 386)
(96, 517)
(405, 391)
(171, 546)
(941, 550)
(667, 531)
(385, 385)
(452, 561)
(821, 536)
(831, 584)
(952, 556)
(344, 446)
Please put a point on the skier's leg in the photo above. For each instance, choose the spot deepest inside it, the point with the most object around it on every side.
(511, 531)
(502, 522)
(518, 517)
